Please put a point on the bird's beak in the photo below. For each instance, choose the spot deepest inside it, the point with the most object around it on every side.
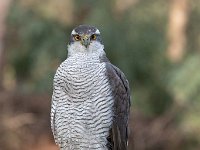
(85, 40)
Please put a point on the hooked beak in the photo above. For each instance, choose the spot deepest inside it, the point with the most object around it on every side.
(85, 40)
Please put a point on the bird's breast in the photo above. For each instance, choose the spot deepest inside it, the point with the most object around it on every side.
(86, 110)
(83, 80)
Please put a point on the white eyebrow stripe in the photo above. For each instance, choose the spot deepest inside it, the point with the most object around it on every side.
(97, 32)
(73, 32)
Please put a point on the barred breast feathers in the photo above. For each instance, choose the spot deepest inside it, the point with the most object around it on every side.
(85, 103)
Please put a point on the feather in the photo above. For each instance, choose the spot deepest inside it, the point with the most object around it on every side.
(121, 94)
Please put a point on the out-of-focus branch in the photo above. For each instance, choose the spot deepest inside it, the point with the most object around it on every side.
(4, 6)
(178, 18)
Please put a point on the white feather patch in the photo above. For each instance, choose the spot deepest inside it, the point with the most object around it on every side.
(97, 32)
(73, 32)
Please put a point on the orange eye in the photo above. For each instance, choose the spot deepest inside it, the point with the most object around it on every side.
(77, 37)
(93, 37)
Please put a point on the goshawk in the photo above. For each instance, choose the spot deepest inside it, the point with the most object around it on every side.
(91, 97)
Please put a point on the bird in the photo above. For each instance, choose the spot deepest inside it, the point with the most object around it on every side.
(91, 97)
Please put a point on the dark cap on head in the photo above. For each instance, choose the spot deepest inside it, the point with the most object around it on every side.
(85, 29)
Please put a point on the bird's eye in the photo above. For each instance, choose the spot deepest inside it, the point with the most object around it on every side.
(93, 37)
(77, 38)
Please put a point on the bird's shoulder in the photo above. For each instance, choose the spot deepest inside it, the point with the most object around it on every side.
(115, 74)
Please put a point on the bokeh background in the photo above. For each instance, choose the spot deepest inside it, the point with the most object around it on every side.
(155, 42)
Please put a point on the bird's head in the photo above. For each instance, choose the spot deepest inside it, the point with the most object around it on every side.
(85, 39)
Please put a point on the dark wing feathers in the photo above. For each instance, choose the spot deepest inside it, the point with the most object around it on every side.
(121, 93)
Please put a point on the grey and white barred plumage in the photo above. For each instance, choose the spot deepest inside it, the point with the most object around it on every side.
(91, 97)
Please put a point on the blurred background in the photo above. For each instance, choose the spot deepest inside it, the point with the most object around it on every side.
(155, 43)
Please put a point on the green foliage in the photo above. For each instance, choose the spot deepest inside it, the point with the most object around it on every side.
(185, 80)
(37, 49)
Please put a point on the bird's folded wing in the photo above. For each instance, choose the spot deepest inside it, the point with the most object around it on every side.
(121, 94)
